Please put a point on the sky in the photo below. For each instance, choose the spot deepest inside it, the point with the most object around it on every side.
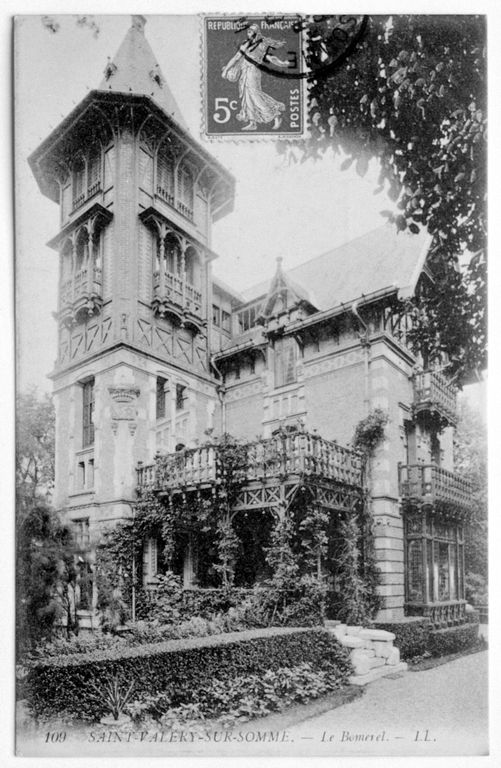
(314, 205)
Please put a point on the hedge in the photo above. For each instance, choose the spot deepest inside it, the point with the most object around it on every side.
(73, 685)
(412, 635)
(453, 639)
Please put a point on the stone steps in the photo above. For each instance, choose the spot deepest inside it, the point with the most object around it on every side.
(372, 652)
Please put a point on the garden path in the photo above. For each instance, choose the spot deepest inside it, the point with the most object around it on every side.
(440, 711)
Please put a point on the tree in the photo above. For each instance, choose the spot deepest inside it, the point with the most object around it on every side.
(44, 568)
(44, 546)
(413, 96)
(35, 428)
(470, 459)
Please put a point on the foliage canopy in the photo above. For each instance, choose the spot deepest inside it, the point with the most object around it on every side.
(413, 96)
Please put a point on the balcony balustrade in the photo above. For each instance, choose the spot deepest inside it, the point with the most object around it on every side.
(82, 198)
(430, 484)
(279, 457)
(441, 615)
(168, 197)
(165, 194)
(433, 393)
(81, 293)
(172, 294)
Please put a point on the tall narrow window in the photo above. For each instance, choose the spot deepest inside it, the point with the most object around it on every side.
(161, 383)
(443, 572)
(215, 315)
(285, 362)
(88, 413)
(81, 475)
(226, 321)
(94, 172)
(180, 397)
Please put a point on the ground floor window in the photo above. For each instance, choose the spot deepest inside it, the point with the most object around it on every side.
(434, 559)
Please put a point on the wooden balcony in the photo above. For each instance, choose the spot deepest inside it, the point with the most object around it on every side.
(81, 295)
(83, 197)
(429, 484)
(290, 457)
(173, 296)
(434, 395)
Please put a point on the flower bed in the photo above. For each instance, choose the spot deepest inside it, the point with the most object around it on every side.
(179, 669)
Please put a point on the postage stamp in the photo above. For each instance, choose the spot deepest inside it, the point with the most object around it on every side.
(242, 92)
(256, 69)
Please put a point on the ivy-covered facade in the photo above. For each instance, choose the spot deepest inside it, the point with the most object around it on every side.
(340, 464)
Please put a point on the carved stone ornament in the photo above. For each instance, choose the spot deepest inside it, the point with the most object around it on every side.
(124, 408)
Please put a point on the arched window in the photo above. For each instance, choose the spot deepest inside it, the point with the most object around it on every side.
(192, 266)
(165, 176)
(172, 255)
(81, 250)
(185, 186)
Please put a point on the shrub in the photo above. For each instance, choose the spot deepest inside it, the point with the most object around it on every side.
(209, 602)
(476, 588)
(243, 697)
(411, 635)
(453, 639)
(164, 602)
(472, 617)
(179, 669)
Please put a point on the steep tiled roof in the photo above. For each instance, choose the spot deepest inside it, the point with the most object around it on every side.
(380, 259)
(135, 70)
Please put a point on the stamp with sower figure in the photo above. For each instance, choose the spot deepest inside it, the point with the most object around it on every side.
(252, 76)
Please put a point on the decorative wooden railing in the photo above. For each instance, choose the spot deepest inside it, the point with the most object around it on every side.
(444, 614)
(82, 198)
(168, 197)
(83, 286)
(165, 194)
(299, 454)
(185, 210)
(172, 289)
(433, 392)
(428, 483)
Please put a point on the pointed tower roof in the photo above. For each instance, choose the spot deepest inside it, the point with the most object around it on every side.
(135, 69)
(283, 290)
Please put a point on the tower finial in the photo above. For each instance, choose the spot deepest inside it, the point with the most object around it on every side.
(138, 22)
